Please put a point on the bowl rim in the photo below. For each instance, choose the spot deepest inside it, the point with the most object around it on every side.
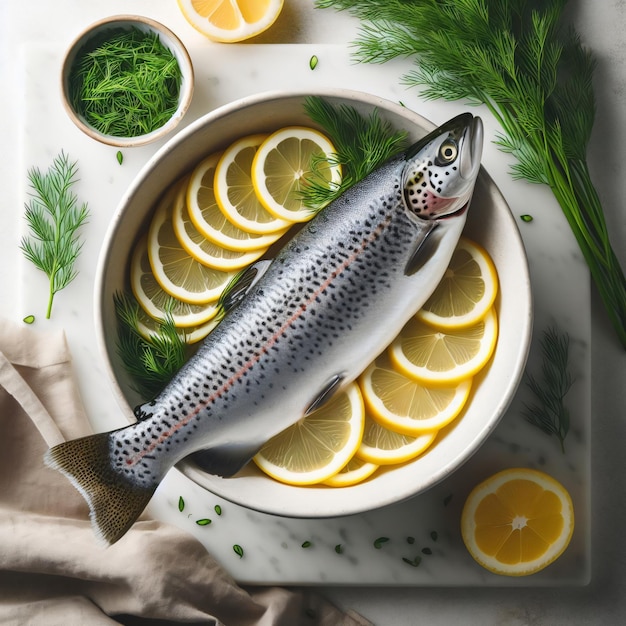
(338, 506)
(169, 39)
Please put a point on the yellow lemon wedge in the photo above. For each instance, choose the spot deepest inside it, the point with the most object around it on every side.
(283, 165)
(517, 522)
(234, 191)
(176, 271)
(383, 446)
(467, 290)
(319, 445)
(444, 356)
(229, 21)
(207, 217)
(406, 406)
(158, 303)
(202, 249)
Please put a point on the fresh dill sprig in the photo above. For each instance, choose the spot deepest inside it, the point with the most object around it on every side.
(127, 83)
(533, 74)
(152, 362)
(550, 413)
(54, 217)
(361, 144)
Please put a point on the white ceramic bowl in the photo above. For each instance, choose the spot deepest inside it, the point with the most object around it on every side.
(489, 222)
(168, 39)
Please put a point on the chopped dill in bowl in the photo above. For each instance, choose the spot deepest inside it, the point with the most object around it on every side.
(125, 82)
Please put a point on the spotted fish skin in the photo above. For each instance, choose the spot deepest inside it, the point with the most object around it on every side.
(333, 298)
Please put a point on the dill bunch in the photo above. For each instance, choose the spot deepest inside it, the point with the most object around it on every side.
(150, 363)
(361, 144)
(549, 413)
(532, 72)
(54, 217)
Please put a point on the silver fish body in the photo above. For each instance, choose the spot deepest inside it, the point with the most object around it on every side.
(301, 327)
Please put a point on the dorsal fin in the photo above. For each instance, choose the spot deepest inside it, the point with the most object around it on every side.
(241, 284)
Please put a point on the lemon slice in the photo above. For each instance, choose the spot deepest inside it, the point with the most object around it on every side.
(444, 357)
(234, 191)
(517, 522)
(209, 219)
(406, 406)
(467, 290)
(201, 248)
(356, 471)
(383, 446)
(156, 302)
(178, 273)
(148, 328)
(283, 164)
(319, 445)
(230, 20)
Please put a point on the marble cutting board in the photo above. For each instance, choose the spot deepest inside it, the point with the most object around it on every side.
(272, 546)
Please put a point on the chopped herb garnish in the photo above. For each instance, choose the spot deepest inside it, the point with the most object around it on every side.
(338, 548)
(313, 61)
(447, 500)
(426, 551)
(238, 550)
(181, 504)
(218, 509)
(526, 218)
(54, 217)
(410, 540)
(434, 535)
(120, 157)
(29, 319)
(378, 544)
(306, 544)
(203, 522)
(550, 413)
(413, 562)
(125, 83)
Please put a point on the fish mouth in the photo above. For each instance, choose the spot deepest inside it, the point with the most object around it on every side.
(471, 147)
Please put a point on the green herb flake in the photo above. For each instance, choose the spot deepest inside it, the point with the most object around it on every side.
(54, 218)
(410, 540)
(313, 61)
(218, 509)
(434, 535)
(306, 544)
(29, 319)
(181, 504)
(526, 218)
(120, 157)
(339, 548)
(447, 500)
(413, 562)
(378, 544)
(238, 550)
(203, 522)
(427, 551)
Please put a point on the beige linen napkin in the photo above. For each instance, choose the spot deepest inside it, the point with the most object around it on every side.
(52, 571)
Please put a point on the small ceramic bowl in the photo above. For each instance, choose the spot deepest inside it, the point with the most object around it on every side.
(489, 222)
(167, 38)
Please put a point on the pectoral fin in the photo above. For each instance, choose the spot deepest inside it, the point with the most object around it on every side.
(424, 251)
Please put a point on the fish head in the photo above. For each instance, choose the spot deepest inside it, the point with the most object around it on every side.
(441, 169)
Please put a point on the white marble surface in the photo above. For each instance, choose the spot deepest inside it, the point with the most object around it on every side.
(272, 546)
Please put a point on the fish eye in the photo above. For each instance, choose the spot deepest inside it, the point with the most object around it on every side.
(448, 152)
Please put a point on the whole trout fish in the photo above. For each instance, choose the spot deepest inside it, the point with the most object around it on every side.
(297, 329)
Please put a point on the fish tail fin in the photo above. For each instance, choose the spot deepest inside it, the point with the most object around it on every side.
(115, 501)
